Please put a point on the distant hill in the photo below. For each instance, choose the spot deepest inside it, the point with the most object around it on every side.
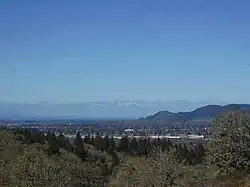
(128, 109)
(204, 114)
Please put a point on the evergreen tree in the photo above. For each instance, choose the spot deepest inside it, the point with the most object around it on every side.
(134, 147)
(169, 144)
(112, 143)
(185, 151)
(27, 136)
(41, 138)
(99, 142)
(141, 146)
(53, 144)
(148, 146)
(87, 139)
(92, 140)
(200, 149)
(69, 146)
(79, 147)
(78, 138)
(48, 137)
(106, 143)
(156, 142)
(62, 141)
(190, 157)
(164, 144)
(180, 152)
(115, 159)
(124, 144)
(199, 152)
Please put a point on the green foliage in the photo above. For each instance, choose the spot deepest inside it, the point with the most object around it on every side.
(79, 147)
(115, 158)
(24, 165)
(124, 144)
(229, 147)
(27, 164)
(53, 144)
(112, 143)
(134, 147)
(99, 142)
(28, 158)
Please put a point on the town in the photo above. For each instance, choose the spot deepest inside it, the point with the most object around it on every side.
(115, 128)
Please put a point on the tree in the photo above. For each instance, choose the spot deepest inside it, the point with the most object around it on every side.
(78, 138)
(27, 136)
(62, 141)
(200, 152)
(229, 148)
(53, 144)
(134, 147)
(112, 143)
(69, 146)
(31, 167)
(156, 142)
(99, 142)
(124, 144)
(141, 146)
(148, 146)
(165, 144)
(41, 138)
(106, 143)
(79, 147)
(160, 169)
(87, 139)
(115, 159)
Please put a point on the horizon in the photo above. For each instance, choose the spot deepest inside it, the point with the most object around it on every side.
(127, 102)
(91, 90)
(58, 120)
(117, 101)
(103, 51)
(34, 112)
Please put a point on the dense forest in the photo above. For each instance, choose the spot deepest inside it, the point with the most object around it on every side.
(30, 158)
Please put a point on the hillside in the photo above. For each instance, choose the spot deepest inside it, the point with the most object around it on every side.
(204, 114)
(28, 158)
(28, 165)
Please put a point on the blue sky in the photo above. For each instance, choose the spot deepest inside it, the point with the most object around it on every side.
(72, 51)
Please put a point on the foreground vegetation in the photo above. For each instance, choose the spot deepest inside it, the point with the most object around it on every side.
(29, 158)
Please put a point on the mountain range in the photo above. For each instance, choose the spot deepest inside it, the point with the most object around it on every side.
(132, 109)
(169, 110)
(200, 115)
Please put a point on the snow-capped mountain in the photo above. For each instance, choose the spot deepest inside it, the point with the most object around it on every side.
(116, 109)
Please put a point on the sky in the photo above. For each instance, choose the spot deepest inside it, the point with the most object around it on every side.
(77, 51)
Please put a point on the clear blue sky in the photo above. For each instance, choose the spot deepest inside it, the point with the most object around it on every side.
(70, 51)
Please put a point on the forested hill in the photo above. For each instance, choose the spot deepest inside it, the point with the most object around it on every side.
(205, 114)
(29, 157)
